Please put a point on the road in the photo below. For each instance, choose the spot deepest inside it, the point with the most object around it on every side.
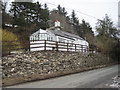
(97, 78)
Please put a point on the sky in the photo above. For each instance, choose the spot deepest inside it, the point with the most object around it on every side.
(93, 8)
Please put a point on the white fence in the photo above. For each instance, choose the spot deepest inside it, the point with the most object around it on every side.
(58, 46)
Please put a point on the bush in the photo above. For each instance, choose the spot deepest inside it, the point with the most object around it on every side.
(9, 42)
(91, 54)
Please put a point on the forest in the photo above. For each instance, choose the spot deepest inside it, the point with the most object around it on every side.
(24, 18)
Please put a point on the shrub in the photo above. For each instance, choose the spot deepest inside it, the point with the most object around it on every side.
(9, 42)
(91, 54)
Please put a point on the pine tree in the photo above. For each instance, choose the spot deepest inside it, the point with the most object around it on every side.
(59, 9)
(106, 38)
(27, 13)
(85, 29)
(44, 16)
(74, 19)
(105, 27)
(64, 11)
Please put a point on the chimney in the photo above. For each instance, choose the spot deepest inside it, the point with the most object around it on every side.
(57, 23)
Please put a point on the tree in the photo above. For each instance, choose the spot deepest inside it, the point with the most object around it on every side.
(26, 14)
(85, 31)
(45, 17)
(105, 27)
(29, 17)
(61, 10)
(64, 11)
(107, 40)
(74, 19)
(85, 28)
(75, 22)
(116, 51)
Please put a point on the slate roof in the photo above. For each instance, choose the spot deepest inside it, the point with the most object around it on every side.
(65, 34)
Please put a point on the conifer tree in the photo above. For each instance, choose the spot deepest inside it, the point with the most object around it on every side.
(105, 27)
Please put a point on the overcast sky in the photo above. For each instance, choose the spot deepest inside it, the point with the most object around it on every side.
(95, 8)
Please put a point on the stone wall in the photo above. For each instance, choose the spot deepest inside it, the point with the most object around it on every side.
(47, 63)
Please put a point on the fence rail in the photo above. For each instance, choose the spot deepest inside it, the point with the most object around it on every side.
(9, 47)
(58, 46)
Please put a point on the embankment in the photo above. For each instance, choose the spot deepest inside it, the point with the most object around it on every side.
(30, 66)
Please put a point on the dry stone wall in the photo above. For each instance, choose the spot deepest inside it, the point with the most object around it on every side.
(48, 62)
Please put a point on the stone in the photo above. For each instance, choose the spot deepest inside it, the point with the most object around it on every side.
(21, 73)
(12, 69)
(47, 62)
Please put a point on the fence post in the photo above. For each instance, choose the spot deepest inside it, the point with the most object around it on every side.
(29, 44)
(82, 48)
(75, 47)
(87, 49)
(56, 46)
(33, 38)
(67, 47)
(45, 46)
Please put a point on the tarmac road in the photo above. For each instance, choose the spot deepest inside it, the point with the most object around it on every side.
(97, 78)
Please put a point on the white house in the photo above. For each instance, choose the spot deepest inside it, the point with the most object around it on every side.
(53, 35)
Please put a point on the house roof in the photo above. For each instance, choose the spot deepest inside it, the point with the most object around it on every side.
(73, 35)
(59, 33)
(65, 34)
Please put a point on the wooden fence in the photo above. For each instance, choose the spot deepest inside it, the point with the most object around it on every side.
(58, 46)
(9, 47)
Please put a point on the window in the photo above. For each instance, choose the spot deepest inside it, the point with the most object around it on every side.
(52, 38)
(42, 36)
(36, 37)
(31, 38)
(48, 37)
